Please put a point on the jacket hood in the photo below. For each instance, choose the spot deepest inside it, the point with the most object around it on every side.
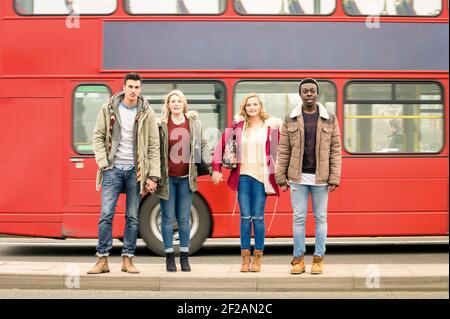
(272, 122)
(118, 97)
(297, 111)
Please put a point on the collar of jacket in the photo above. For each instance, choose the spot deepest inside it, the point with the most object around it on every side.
(323, 113)
(191, 115)
(272, 122)
(115, 100)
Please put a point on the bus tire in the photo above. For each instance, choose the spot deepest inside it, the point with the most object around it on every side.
(150, 225)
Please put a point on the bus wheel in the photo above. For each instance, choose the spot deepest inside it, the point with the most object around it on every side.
(150, 225)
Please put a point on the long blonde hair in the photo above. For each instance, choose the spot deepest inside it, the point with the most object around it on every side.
(166, 109)
(262, 115)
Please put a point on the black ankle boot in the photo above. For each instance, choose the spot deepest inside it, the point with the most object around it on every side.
(184, 261)
(170, 262)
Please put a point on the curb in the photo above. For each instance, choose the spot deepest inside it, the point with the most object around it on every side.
(210, 277)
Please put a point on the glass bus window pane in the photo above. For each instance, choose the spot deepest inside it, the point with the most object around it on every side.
(208, 99)
(64, 7)
(206, 91)
(369, 91)
(24, 7)
(199, 91)
(418, 92)
(393, 128)
(285, 7)
(176, 6)
(281, 97)
(393, 7)
(88, 99)
(156, 91)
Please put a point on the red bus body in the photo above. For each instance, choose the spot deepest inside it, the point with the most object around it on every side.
(43, 193)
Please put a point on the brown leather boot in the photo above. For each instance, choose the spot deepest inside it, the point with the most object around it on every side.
(257, 260)
(100, 267)
(298, 265)
(127, 265)
(245, 253)
(317, 266)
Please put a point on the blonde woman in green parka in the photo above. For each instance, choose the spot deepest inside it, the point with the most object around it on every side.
(182, 148)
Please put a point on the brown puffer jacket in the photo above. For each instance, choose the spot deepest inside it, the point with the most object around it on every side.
(291, 148)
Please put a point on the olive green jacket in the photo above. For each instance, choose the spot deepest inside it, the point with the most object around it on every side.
(107, 135)
(198, 146)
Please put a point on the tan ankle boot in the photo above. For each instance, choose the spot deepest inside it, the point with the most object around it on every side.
(298, 265)
(257, 260)
(317, 266)
(127, 265)
(245, 253)
(100, 267)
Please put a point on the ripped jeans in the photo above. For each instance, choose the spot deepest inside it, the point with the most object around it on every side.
(252, 201)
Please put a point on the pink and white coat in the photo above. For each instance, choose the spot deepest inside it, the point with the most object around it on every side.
(272, 136)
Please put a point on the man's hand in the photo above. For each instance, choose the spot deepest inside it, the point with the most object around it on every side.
(331, 188)
(150, 186)
(284, 188)
(216, 177)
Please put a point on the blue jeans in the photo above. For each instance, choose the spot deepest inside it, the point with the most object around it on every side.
(177, 206)
(114, 181)
(299, 199)
(252, 201)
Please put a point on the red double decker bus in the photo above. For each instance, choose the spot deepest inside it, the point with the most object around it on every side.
(378, 62)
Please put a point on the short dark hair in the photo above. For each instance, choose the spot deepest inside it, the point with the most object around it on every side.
(132, 76)
(308, 80)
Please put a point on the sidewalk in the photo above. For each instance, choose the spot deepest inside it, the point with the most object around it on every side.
(213, 277)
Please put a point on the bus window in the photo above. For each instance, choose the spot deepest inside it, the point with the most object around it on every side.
(88, 99)
(285, 7)
(64, 7)
(393, 117)
(175, 6)
(281, 97)
(205, 97)
(393, 7)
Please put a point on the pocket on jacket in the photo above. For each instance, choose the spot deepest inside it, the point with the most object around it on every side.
(293, 134)
(292, 129)
(326, 134)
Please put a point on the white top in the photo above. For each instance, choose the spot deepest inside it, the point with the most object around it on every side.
(308, 179)
(252, 146)
(124, 154)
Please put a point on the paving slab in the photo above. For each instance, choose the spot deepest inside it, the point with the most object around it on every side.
(30, 281)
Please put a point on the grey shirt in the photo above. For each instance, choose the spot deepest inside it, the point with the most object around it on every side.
(124, 154)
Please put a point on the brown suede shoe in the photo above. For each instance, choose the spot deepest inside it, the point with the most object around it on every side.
(317, 266)
(298, 265)
(100, 267)
(245, 253)
(257, 260)
(127, 265)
